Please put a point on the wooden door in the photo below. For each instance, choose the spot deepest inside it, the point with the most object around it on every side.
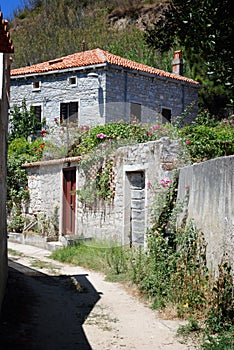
(69, 201)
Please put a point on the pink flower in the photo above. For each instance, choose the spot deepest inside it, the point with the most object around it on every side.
(155, 127)
(149, 134)
(166, 182)
(188, 142)
(101, 136)
(26, 188)
(149, 185)
(186, 187)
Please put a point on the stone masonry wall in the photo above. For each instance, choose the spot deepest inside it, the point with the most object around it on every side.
(153, 94)
(156, 160)
(107, 99)
(55, 89)
(45, 184)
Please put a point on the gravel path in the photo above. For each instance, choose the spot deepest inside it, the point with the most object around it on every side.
(50, 305)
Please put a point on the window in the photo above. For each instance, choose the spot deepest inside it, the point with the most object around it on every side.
(72, 81)
(69, 112)
(36, 85)
(135, 112)
(166, 115)
(37, 111)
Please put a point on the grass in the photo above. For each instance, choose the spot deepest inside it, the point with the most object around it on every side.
(91, 255)
(45, 265)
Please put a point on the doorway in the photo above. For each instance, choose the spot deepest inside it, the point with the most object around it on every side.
(69, 201)
(135, 208)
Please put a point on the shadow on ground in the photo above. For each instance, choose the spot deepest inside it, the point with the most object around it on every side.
(43, 312)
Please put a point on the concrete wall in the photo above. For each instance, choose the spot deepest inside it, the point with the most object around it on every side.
(211, 205)
(108, 99)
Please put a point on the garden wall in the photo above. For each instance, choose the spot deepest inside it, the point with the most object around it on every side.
(137, 170)
(210, 204)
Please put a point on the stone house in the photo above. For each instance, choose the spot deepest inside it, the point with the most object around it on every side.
(6, 48)
(96, 87)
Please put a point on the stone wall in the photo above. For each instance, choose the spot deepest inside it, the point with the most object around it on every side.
(211, 205)
(136, 170)
(107, 99)
(55, 89)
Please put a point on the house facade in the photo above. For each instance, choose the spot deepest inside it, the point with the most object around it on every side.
(6, 48)
(96, 87)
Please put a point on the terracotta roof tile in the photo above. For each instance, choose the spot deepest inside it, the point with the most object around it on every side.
(6, 45)
(94, 57)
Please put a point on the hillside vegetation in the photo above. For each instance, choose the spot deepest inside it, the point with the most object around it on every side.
(48, 29)
(144, 31)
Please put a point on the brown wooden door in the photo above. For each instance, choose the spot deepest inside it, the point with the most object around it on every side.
(69, 201)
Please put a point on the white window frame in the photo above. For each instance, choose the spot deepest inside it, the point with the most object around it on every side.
(36, 88)
(70, 79)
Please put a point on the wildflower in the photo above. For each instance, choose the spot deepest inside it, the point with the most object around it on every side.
(185, 305)
(149, 185)
(166, 182)
(55, 119)
(43, 132)
(42, 146)
(186, 187)
(85, 127)
(155, 127)
(188, 142)
(26, 188)
(149, 134)
(101, 136)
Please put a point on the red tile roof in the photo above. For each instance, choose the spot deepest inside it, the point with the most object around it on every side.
(6, 45)
(94, 57)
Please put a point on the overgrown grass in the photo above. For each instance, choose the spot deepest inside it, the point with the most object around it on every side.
(97, 255)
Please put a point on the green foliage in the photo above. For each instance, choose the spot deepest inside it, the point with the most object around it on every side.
(207, 139)
(205, 30)
(20, 151)
(97, 146)
(50, 29)
(24, 122)
(114, 135)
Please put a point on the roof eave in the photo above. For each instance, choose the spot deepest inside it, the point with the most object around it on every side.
(58, 71)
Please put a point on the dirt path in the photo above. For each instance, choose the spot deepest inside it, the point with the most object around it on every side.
(56, 306)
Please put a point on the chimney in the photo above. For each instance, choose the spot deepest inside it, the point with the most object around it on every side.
(177, 63)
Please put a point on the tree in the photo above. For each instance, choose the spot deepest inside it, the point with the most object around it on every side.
(204, 28)
(24, 122)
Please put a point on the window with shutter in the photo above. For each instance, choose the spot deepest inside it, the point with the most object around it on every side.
(69, 112)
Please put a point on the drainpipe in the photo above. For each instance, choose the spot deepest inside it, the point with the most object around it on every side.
(125, 93)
